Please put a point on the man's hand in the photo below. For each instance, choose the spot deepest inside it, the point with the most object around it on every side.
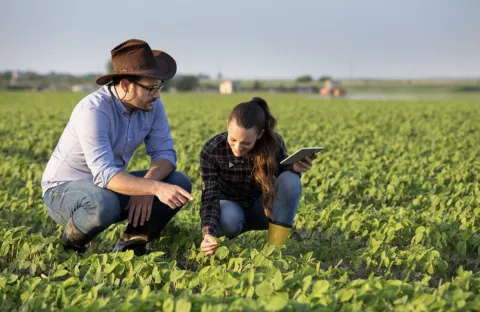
(172, 195)
(305, 164)
(139, 209)
(209, 244)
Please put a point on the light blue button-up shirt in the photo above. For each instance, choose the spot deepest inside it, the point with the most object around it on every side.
(101, 137)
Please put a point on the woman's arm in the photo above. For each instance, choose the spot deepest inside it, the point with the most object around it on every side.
(210, 205)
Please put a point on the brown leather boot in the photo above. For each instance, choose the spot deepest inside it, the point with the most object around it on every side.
(134, 239)
(73, 238)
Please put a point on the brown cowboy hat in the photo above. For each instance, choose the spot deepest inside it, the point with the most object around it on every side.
(135, 58)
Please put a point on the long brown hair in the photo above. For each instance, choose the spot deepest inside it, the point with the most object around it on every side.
(257, 114)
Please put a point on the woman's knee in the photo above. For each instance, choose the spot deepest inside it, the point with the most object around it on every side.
(232, 218)
(285, 205)
(289, 183)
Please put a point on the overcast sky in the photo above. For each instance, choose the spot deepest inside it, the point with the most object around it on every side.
(250, 38)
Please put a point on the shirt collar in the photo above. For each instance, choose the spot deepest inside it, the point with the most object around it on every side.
(110, 90)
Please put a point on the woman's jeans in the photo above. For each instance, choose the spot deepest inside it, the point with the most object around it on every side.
(93, 209)
(234, 220)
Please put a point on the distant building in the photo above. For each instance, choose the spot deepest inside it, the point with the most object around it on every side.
(15, 77)
(229, 86)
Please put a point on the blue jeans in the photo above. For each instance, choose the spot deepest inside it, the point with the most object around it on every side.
(93, 209)
(234, 220)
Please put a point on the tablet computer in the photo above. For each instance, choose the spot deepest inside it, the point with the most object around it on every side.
(301, 154)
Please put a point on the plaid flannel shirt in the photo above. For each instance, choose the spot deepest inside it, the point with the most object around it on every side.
(225, 176)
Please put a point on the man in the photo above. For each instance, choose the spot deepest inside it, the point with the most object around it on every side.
(85, 186)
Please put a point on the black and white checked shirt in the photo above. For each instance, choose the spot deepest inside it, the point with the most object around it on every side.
(225, 176)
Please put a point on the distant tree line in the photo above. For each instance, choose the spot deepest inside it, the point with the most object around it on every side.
(308, 78)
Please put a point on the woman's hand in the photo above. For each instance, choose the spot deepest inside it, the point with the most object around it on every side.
(305, 164)
(209, 244)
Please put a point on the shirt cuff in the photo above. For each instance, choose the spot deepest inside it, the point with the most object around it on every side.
(102, 179)
(167, 156)
(208, 230)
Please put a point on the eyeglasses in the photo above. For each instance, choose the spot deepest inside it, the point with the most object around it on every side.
(152, 90)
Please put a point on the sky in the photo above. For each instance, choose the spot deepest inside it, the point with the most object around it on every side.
(250, 39)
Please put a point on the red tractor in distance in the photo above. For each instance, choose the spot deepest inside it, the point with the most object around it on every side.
(332, 88)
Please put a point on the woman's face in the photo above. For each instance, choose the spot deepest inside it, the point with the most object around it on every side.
(241, 140)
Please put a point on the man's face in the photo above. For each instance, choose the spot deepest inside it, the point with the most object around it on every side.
(141, 98)
(241, 140)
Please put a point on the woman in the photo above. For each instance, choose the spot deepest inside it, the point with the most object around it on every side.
(244, 187)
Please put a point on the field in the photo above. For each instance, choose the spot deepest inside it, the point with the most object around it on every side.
(388, 221)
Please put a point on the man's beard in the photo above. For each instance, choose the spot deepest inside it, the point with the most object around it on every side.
(147, 107)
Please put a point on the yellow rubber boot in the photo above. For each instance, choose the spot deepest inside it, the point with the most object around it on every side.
(277, 234)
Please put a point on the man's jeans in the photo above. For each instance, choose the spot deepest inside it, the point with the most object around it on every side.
(94, 209)
(234, 220)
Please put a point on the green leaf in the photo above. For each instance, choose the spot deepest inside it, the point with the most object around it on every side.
(168, 305)
(346, 294)
(60, 273)
(307, 280)
(12, 278)
(183, 305)
(276, 303)
(264, 289)
(127, 255)
(69, 282)
(258, 259)
(251, 276)
(320, 287)
(176, 275)
(390, 189)
(25, 251)
(278, 280)
(221, 252)
(268, 249)
(145, 292)
(462, 248)
(250, 292)
(418, 235)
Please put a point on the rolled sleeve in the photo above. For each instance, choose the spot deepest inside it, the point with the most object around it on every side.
(92, 131)
(159, 142)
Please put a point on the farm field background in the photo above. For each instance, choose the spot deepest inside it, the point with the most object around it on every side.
(389, 217)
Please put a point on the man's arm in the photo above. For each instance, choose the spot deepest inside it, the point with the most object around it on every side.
(128, 184)
(159, 170)
(159, 142)
(92, 128)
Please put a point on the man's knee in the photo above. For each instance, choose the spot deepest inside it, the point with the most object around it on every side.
(179, 179)
(103, 208)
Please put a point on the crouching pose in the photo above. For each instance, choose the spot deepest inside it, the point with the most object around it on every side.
(244, 187)
(85, 185)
